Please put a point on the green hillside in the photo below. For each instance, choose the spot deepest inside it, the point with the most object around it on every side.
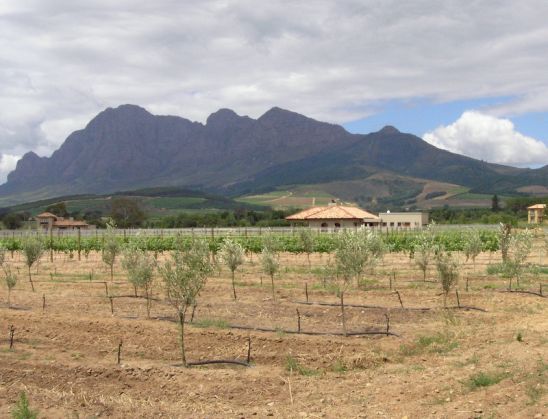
(155, 202)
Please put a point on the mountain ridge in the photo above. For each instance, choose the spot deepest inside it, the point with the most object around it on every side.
(128, 147)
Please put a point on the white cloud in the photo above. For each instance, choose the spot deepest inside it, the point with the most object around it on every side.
(7, 164)
(62, 62)
(489, 138)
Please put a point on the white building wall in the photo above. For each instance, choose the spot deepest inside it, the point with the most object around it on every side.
(404, 219)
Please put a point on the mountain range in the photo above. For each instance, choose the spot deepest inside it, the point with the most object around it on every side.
(127, 148)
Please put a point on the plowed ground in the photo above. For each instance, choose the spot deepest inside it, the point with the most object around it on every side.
(64, 357)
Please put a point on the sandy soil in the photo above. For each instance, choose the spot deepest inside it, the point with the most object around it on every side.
(64, 357)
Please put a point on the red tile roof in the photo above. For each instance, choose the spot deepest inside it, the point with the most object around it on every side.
(332, 212)
(46, 215)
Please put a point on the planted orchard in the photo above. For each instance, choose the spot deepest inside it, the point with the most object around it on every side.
(199, 315)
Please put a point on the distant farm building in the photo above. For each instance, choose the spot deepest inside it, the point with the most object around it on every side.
(335, 216)
(404, 219)
(48, 221)
(535, 213)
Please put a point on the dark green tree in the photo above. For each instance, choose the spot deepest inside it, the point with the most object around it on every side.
(13, 221)
(495, 207)
(126, 213)
(59, 209)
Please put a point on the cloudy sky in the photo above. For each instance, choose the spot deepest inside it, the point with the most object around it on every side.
(466, 76)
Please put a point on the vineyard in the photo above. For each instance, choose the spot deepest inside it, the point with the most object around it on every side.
(323, 243)
(404, 324)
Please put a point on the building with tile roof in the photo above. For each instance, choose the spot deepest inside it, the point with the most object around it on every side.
(535, 213)
(48, 221)
(335, 216)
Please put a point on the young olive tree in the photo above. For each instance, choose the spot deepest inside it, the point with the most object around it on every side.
(130, 260)
(2, 254)
(271, 265)
(519, 248)
(448, 271)
(307, 241)
(111, 249)
(327, 273)
(33, 248)
(184, 277)
(355, 251)
(472, 246)
(424, 250)
(11, 281)
(504, 236)
(139, 266)
(233, 255)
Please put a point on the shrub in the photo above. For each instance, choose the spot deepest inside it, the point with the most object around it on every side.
(483, 379)
(438, 343)
(291, 364)
(22, 409)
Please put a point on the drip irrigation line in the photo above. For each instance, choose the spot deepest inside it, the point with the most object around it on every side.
(525, 292)
(292, 332)
(320, 303)
(461, 307)
(218, 361)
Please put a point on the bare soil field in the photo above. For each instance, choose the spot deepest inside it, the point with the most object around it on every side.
(444, 363)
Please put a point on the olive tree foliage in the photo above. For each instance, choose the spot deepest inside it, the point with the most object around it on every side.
(270, 241)
(355, 251)
(139, 266)
(424, 250)
(270, 262)
(32, 248)
(448, 272)
(184, 276)
(233, 256)
(504, 236)
(546, 243)
(306, 238)
(327, 273)
(2, 254)
(11, 280)
(519, 247)
(111, 248)
(472, 246)
(271, 265)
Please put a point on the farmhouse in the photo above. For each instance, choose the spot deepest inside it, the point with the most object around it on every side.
(535, 213)
(335, 216)
(48, 221)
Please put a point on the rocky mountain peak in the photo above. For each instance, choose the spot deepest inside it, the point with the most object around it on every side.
(389, 129)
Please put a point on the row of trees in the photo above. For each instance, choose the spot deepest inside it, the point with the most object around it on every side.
(515, 248)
